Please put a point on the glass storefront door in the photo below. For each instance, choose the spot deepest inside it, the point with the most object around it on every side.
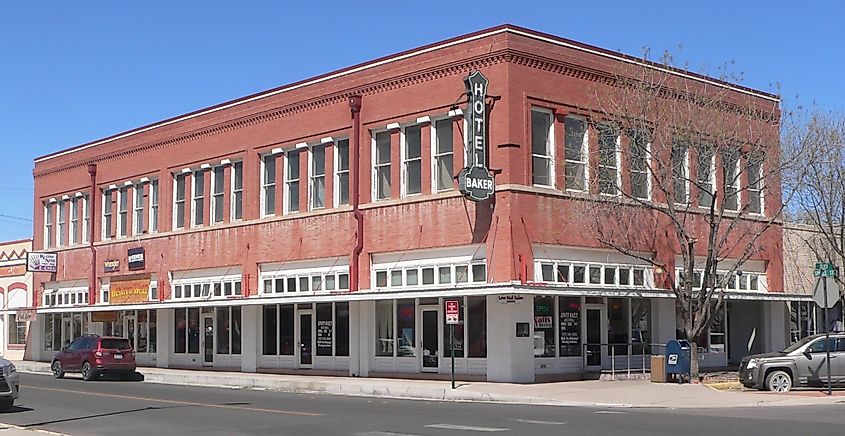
(208, 340)
(595, 327)
(306, 340)
(430, 338)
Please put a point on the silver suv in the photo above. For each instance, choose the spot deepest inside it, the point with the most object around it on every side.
(803, 363)
(9, 384)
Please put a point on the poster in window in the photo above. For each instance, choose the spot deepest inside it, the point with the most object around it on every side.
(324, 337)
(570, 329)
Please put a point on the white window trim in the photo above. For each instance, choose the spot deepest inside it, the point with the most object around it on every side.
(48, 224)
(686, 177)
(550, 144)
(73, 234)
(403, 158)
(175, 218)
(648, 273)
(647, 175)
(214, 196)
(60, 208)
(274, 273)
(265, 184)
(233, 191)
(286, 210)
(156, 214)
(338, 172)
(736, 185)
(122, 230)
(195, 197)
(106, 197)
(711, 182)
(434, 264)
(375, 165)
(138, 190)
(585, 155)
(312, 177)
(86, 219)
(435, 156)
(210, 281)
(761, 189)
(617, 153)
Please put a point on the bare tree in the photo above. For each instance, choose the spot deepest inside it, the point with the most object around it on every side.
(689, 169)
(819, 183)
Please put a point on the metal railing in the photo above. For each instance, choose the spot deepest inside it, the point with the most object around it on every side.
(637, 355)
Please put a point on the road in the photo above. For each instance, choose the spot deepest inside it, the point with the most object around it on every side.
(138, 408)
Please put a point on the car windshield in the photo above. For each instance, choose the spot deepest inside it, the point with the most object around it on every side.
(798, 344)
(115, 344)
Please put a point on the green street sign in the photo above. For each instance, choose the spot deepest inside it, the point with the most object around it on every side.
(826, 273)
(824, 266)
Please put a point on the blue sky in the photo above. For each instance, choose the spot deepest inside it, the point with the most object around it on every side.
(73, 72)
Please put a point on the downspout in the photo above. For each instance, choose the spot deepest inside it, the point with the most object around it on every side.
(355, 107)
(92, 211)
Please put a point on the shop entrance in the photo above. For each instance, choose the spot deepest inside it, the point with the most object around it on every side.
(430, 340)
(207, 339)
(596, 334)
(306, 340)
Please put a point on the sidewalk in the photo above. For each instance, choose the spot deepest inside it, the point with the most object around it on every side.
(577, 393)
(13, 430)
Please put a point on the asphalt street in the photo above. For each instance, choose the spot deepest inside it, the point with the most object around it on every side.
(137, 408)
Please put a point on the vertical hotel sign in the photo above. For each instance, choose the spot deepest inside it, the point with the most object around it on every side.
(475, 180)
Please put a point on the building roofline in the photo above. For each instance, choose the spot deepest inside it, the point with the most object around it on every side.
(16, 241)
(504, 28)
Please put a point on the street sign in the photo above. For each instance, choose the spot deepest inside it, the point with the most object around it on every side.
(826, 285)
(452, 312)
(825, 269)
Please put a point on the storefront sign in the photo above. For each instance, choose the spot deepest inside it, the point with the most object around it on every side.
(110, 316)
(41, 262)
(112, 265)
(135, 258)
(129, 291)
(570, 327)
(25, 315)
(511, 299)
(475, 180)
(324, 337)
(542, 322)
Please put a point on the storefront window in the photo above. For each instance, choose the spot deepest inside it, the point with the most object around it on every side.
(286, 337)
(153, 331)
(180, 330)
(223, 330)
(405, 324)
(193, 331)
(617, 325)
(141, 346)
(236, 330)
(48, 332)
(477, 326)
(57, 332)
(717, 331)
(459, 333)
(17, 330)
(544, 326)
(325, 327)
(640, 325)
(269, 328)
(384, 328)
(341, 317)
(570, 326)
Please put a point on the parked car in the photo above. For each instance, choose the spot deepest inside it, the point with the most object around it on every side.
(93, 355)
(9, 384)
(803, 363)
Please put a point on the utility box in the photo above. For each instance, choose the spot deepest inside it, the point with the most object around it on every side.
(658, 369)
(678, 360)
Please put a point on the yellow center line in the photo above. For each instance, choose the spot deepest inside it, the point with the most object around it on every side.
(183, 403)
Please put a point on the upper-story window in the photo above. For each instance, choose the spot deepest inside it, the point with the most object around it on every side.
(576, 273)
(154, 206)
(179, 201)
(381, 166)
(443, 156)
(680, 172)
(217, 184)
(61, 227)
(123, 211)
(640, 156)
(575, 151)
(706, 175)
(542, 147)
(292, 181)
(107, 214)
(317, 182)
(754, 167)
(730, 163)
(198, 204)
(86, 218)
(411, 160)
(609, 160)
(237, 190)
(48, 225)
(341, 172)
(268, 185)
(75, 202)
(139, 210)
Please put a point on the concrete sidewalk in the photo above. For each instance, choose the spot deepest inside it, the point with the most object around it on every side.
(13, 430)
(578, 393)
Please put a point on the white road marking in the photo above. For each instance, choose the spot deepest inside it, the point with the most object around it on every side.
(383, 433)
(466, 428)
(531, 421)
(608, 412)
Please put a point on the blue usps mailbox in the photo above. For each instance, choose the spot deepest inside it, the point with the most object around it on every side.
(678, 360)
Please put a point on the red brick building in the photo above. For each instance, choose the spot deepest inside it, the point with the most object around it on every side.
(225, 237)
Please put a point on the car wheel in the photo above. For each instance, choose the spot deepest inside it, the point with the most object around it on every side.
(58, 371)
(88, 373)
(6, 403)
(779, 381)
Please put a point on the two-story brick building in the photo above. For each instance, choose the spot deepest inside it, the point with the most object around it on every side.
(319, 227)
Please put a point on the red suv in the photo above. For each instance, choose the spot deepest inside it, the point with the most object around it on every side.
(92, 355)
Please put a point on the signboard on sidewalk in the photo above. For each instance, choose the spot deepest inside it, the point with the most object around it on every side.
(453, 312)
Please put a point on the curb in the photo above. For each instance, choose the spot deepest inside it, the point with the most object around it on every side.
(17, 429)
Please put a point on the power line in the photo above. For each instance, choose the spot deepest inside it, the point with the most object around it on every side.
(15, 218)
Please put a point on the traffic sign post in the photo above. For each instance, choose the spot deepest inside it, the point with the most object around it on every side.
(453, 316)
(821, 295)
